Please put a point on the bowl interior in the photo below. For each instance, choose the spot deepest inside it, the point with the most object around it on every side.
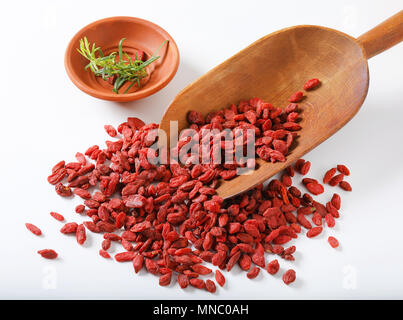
(140, 35)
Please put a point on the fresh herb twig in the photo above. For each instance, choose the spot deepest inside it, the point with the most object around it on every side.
(127, 69)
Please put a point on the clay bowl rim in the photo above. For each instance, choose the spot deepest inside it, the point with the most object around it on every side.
(147, 91)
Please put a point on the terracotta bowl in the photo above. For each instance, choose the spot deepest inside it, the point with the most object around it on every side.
(140, 35)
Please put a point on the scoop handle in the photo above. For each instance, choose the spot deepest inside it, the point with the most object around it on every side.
(383, 36)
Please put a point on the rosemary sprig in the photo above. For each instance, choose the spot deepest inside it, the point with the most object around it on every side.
(127, 69)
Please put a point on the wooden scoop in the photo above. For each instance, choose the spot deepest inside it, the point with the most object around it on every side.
(278, 65)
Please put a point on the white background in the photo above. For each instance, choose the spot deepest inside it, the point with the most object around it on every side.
(45, 118)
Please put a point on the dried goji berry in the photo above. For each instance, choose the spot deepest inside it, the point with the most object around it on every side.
(106, 244)
(334, 243)
(80, 234)
(165, 279)
(124, 256)
(336, 201)
(183, 281)
(296, 97)
(314, 232)
(317, 219)
(63, 190)
(197, 283)
(336, 179)
(80, 208)
(305, 168)
(57, 216)
(289, 276)
(273, 267)
(303, 221)
(219, 277)
(34, 229)
(330, 220)
(345, 186)
(48, 253)
(210, 286)
(70, 227)
(311, 84)
(253, 273)
(104, 254)
(138, 262)
(315, 188)
(110, 130)
(343, 169)
(329, 175)
(200, 269)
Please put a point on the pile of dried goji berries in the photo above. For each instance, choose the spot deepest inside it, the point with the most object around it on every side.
(168, 218)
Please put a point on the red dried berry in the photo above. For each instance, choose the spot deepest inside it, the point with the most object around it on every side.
(336, 179)
(305, 168)
(57, 216)
(334, 243)
(151, 265)
(219, 277)
(315, 188)
(183, 281)
(70, 227)
(48, 253)
(210, 286)
(110, 130)
(332, 210)
(104, 254)
(345, 186)
(138, 262)
(34, 229)
(63, 191)
(82, 193)
(200, 269)
(92, 226)
(314, 232)
(311, 84)
(303, 221)
(57, 176)
(195, 117)
(165, 279)
(330, 220)
(58, 166)
(329, 175)
(273, 267)
(80, 208)
(336, 201)
(296, 97)
(289, 276)
(298, 164)
(317, 219)
(80, 234)
(126, 245)
(106, 244)
(343, 169)
(197, 283)
(289, 250)
(124, 256)
(253, 273)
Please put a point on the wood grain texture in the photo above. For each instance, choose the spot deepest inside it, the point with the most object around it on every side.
(383, 36)
(273, 68)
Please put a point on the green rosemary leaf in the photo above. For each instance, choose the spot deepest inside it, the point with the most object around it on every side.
(119, 83)
(120, 49)
(131, 69)
(100, 52)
